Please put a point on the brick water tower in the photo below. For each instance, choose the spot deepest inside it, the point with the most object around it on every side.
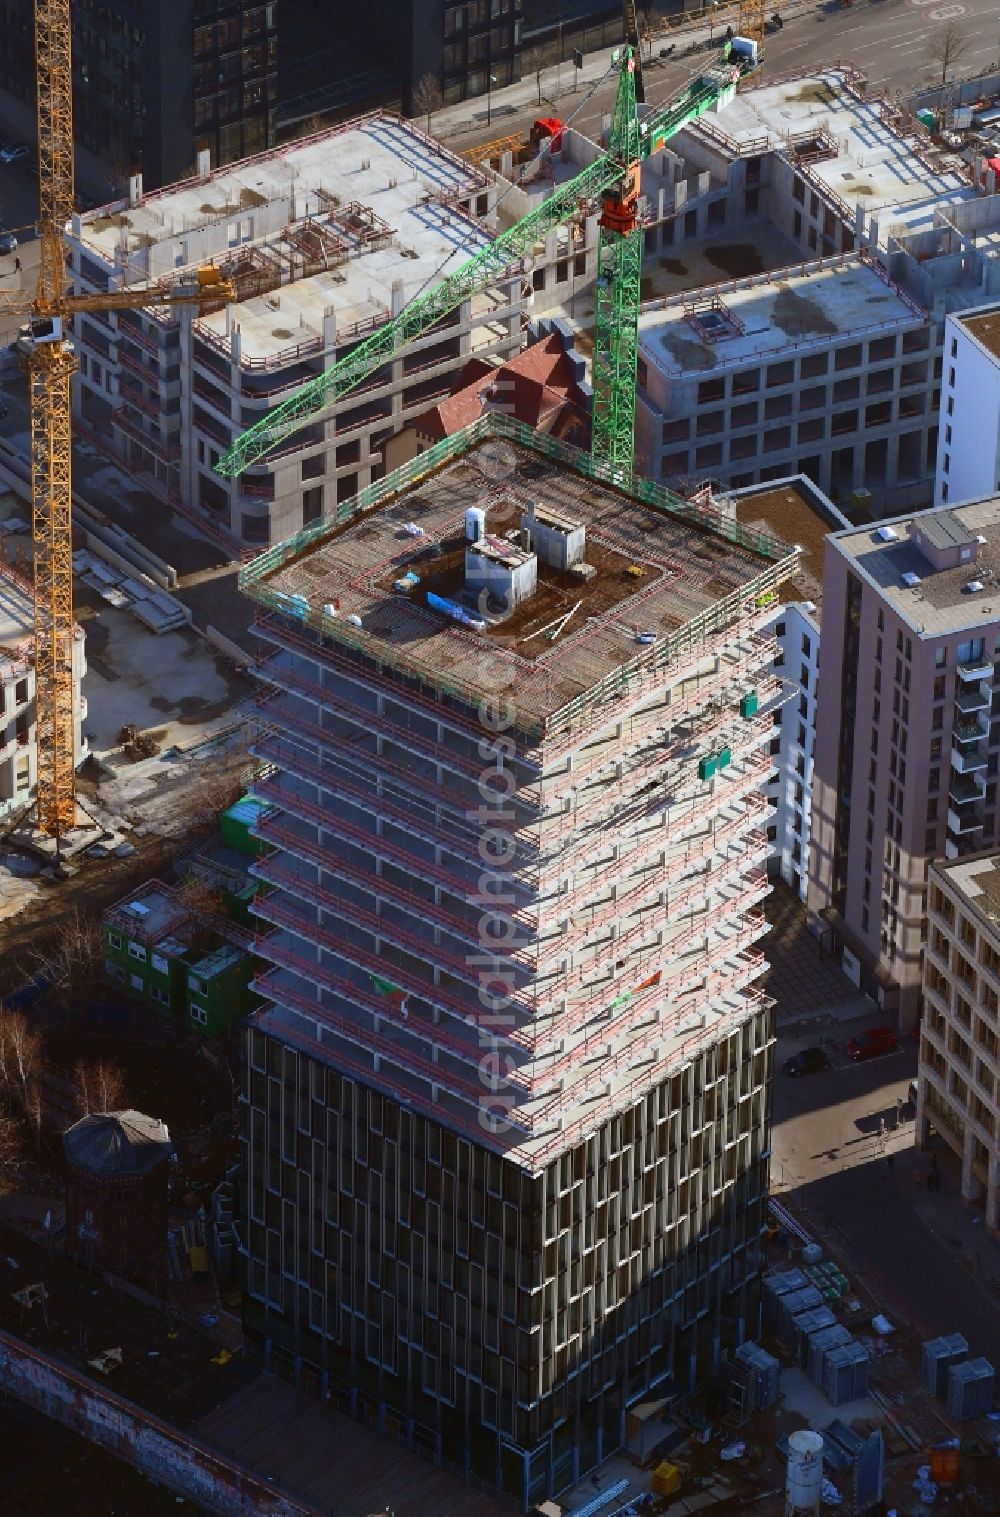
(117, 1166)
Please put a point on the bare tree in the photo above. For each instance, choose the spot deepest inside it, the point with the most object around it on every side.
(20, 1058)
(646, 26)
(200, 898)
(10, 1150)
(72, 955)
(534, 63)
(948, 48)
(427, 97)
(98, 1085)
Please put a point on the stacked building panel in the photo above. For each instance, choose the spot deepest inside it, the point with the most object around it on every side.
(506, 1113)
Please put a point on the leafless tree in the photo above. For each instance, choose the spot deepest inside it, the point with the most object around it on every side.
(534, 63)
(200, 898)
(646, 24)
(71, 956)
(10, 1150)
(20, 1058)
(427, 97)
(949, 47)
(98, 1086)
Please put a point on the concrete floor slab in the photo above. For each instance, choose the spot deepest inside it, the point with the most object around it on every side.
(802, 1396)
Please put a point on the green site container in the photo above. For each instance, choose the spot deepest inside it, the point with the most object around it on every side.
(928, 119)
(725, 757)
(706, 767)
(235, 825)
(749, 704)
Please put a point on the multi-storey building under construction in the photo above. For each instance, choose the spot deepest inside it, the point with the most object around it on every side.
(506, 1113)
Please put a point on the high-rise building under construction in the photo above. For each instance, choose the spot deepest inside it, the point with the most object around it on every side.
(506, 1112)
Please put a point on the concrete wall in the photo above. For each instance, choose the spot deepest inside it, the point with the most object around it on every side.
(156, 1448)
(968, 455)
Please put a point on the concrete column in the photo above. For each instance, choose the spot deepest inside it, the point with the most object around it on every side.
(993, 1179)
(970, 1185)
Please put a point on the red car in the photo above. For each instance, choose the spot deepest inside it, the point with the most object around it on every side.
(872, 1042)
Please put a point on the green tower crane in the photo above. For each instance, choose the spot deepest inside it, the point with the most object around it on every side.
(613, 182)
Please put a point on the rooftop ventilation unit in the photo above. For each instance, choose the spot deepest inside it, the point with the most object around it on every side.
(887, 535)
(910, 580)
(973, 586)
(138, 909)
(980, 539)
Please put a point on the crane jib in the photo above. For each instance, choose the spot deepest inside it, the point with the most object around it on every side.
(632, 137)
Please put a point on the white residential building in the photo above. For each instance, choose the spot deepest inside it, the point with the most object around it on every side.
(795, 511)
(324, 241)
(968, 461)
(18, 750)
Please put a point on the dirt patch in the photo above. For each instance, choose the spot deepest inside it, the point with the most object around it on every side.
(673, 266)
(817, 91)
(798, 316)
(737, 259)
(251, 198)
(688, 353)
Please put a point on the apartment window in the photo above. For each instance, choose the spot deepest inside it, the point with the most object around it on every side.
(930, 840)
(881, 621)
(954, 347)
(136, 981)
(196, 986)
(946, 463)
(947, 433)
(951, 405)
(312, 505)
(711, 389)
(937, 721)
(114, 941)
(939, 688)
(935, 752)
(934, 779)
(951, 379)
(200, 1015)
(136, 951)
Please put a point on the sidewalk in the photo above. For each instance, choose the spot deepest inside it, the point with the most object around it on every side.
(560, 88)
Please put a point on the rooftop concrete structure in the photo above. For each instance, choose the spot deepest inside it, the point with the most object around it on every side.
(324, 242)
(750, 320)
(932, 601)
(856, 149)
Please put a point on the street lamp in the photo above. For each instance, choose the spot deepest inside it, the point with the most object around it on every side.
(490, 79)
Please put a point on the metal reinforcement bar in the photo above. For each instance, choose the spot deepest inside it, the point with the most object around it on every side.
(762, 590)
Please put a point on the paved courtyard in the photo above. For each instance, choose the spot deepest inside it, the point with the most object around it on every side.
(804, 981)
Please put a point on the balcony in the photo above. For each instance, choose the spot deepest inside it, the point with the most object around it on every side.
(970, 729)
(976, 669)
(966, 760)
(966, 820)
(974, 698)
(966, 788)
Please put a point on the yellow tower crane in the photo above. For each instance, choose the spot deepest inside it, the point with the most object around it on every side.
(47, 352)
(752, 20)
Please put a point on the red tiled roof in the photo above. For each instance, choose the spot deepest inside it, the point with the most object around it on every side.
(534, 384)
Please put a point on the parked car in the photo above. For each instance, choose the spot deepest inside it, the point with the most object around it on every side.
(872, 1042)
(809, 1061)
(13, 152)
(8, 244)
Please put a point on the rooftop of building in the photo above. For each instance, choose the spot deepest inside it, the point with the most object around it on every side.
(657, 564)
(772, 315)
(348, 222)
(795, 511)
(977, 880)
(540, 386)
(215, 962)
(117, 1143)
(150, 915)
(984, 326)
(933, 601)
(856, 148)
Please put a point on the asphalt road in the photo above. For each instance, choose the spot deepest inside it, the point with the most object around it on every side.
(897, 43)
(829, 1162)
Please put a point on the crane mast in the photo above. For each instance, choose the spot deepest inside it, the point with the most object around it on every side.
(47, 353)
(635, 139)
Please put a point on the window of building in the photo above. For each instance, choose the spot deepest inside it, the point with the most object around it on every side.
(946, 463)
(160, 995)
(114, 940)
(136, 981)
(159, 963)
(200, 1015)
(951, 379)
(312, 505)
(137, 951)
(195, 985)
